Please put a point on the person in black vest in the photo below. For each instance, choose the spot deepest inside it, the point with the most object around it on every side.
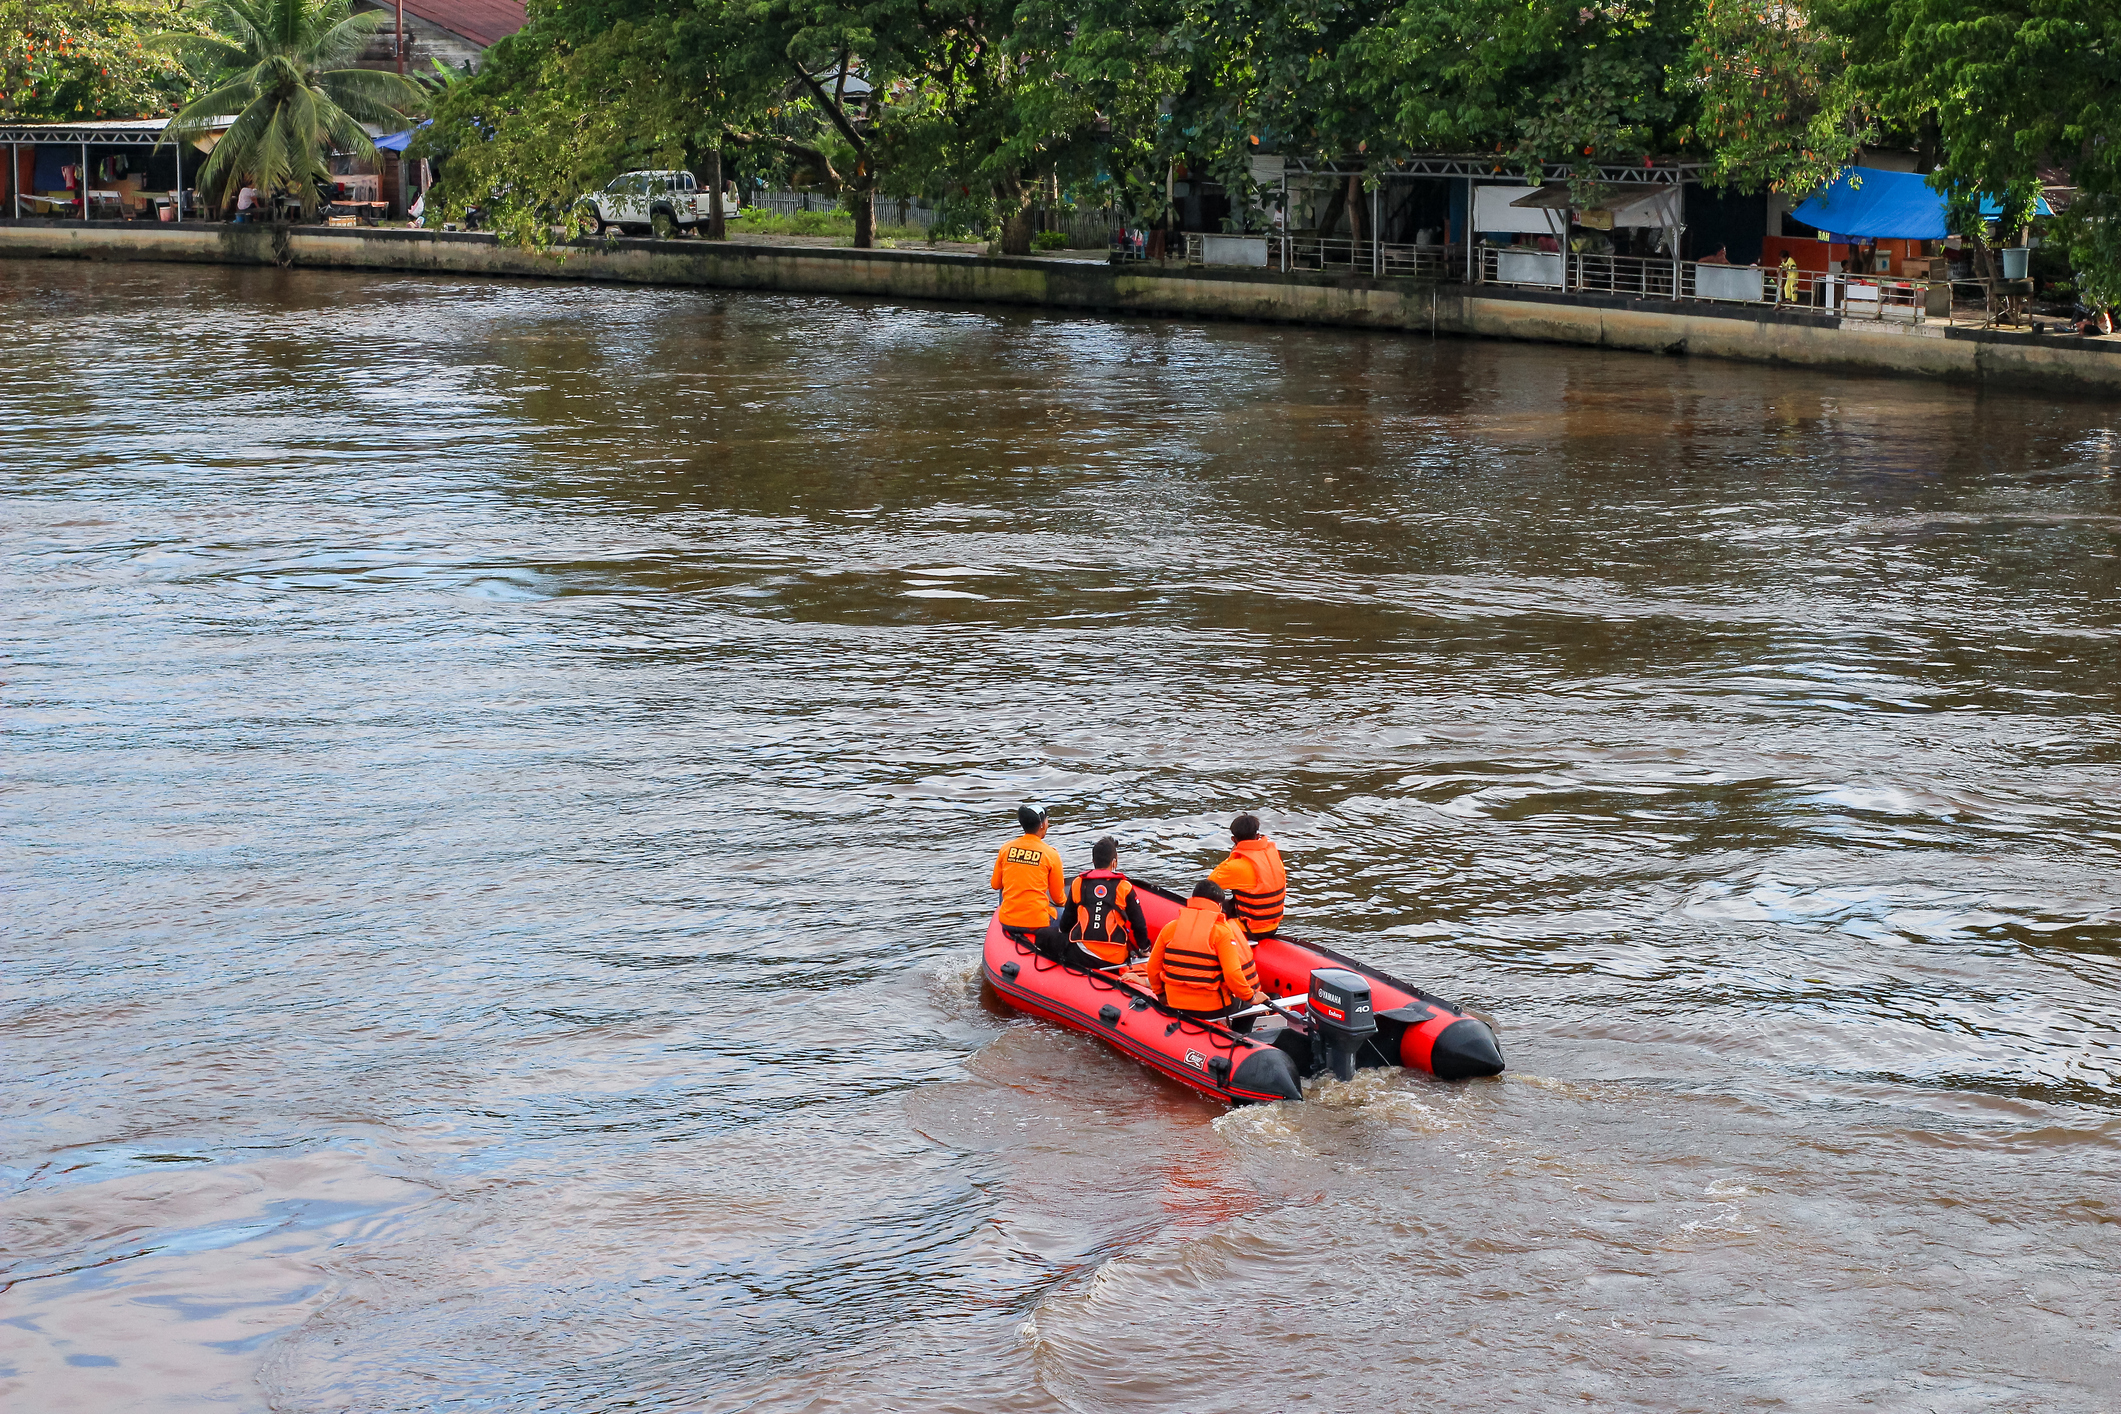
(1103, 914)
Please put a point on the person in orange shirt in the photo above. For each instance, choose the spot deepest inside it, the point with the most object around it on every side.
(1202, 966)
(1027, 870)
(1255, 878)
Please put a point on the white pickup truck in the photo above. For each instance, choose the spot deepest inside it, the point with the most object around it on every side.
(662, 204)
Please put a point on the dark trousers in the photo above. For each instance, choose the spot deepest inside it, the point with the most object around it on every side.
(1048, 942)
(1241, 1025)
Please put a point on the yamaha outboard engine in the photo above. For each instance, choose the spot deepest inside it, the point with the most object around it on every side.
(1340, 1017)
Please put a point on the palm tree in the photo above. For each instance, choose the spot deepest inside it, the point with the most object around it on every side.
(278, 65)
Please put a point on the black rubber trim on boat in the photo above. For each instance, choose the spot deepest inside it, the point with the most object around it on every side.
(1221, 1037)
(1268, 1074)
(1214, 1037)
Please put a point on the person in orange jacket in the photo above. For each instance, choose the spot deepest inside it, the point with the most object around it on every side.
(1202, 966)
(1027, 870)
(1103, 914)
(1253, 874)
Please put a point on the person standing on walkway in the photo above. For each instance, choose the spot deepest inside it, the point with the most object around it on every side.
(1027, 871)
(1253, 874)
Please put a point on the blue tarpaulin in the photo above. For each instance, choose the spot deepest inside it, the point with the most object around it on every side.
(1864, 203)
(396, 142)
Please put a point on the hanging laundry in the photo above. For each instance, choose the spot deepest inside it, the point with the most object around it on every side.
(66, 174)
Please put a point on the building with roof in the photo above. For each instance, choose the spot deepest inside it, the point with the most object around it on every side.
(456, 32)
(117, 169)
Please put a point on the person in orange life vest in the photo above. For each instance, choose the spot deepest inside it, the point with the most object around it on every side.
(1027, 870)
(1103, 914)
(1201, 964)
(1253, 874)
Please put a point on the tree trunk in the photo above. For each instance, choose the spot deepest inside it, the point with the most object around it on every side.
(717, 219)
(1016, 231)
(1356, 213)
(864, 175)
(864, 215)
(1016, 226)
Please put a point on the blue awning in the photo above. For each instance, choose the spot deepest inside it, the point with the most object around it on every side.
(1864, 203)
(397, 142)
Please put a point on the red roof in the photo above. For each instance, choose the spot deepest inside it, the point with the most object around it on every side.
(481, 21)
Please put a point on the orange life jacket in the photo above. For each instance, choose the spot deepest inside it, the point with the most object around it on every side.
(1261, 905)
(1193, 963)
(1101, 927)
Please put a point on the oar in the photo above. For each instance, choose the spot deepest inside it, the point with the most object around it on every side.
(1271, 1005)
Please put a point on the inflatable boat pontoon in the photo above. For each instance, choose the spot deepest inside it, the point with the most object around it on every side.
(1331, 1013)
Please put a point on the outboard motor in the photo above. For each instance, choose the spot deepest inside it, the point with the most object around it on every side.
(1340, 1017)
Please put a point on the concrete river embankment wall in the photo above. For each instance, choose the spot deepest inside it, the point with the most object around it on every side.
(2045, 363)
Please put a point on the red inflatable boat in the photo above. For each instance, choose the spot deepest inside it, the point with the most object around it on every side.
(1332, 1013)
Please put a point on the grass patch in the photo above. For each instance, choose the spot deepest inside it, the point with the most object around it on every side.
(815, 223)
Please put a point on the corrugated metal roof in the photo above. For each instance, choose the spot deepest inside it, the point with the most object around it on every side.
(481, 21)
(113, 132)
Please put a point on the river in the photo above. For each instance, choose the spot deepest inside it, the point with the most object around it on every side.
(501, 780)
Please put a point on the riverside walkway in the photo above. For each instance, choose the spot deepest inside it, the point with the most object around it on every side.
(1764, 334)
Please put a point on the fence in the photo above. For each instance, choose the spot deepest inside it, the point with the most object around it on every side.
(1852, 296)
(1297, 252)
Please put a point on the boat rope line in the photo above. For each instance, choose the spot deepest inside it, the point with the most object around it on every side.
(1220, 1038)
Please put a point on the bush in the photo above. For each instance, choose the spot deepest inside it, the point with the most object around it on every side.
(1050, 240)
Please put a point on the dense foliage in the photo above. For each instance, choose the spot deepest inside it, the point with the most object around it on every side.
(76, 60)
(996, 106)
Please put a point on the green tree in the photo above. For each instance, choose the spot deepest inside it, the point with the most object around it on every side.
(1777, 107)
(277, 68)
(67, 60)
(2015, 86)
(1535, 83)
(579, 94)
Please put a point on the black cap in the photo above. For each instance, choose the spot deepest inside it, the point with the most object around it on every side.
(1030, 817)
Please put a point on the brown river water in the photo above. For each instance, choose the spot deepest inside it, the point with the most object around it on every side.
(500, 781)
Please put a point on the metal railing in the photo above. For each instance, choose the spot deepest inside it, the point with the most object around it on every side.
(1275, 251)
(1853, 297)
(1878, 297)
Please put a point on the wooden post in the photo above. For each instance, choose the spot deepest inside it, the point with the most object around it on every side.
(82, 177)
(401, 38)
(177, 196)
